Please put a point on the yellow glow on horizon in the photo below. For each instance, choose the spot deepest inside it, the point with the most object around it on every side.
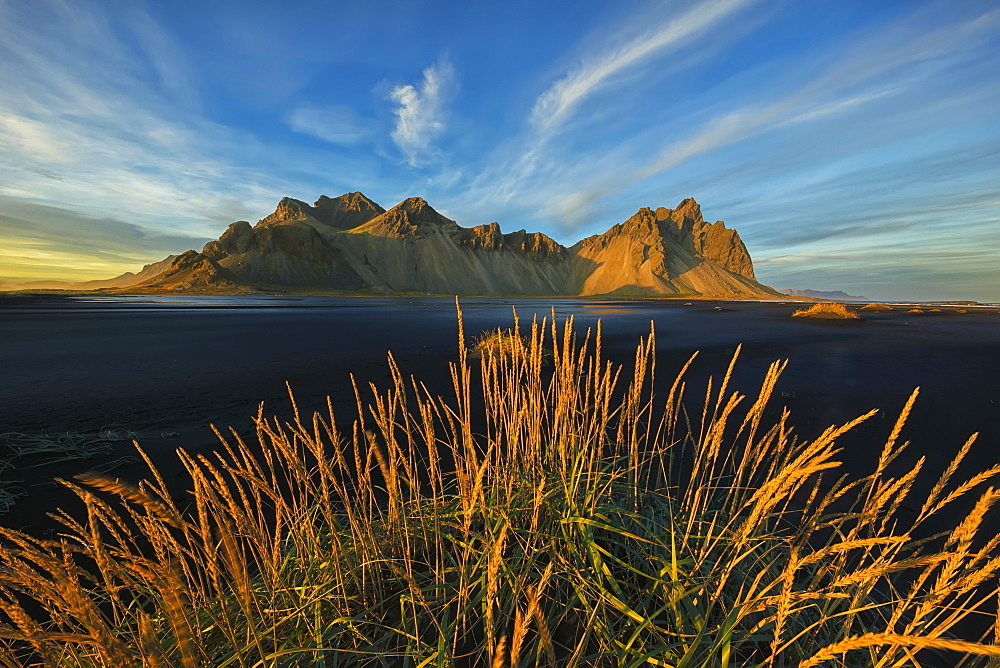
(28, 260)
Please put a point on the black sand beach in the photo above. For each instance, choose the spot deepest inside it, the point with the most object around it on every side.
(166, 368)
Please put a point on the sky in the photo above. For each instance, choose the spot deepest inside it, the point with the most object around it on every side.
(855, 145)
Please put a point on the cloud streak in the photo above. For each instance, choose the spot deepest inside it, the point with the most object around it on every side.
(421, 111)
(338, 124)
(558, 103)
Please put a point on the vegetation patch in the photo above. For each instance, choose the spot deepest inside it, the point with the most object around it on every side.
(876, 307)
(572, 519)
(829, 311)
(23, 451)
(499, 343)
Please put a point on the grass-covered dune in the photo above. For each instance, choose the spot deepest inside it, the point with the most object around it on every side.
(827, 310)
(573, 519)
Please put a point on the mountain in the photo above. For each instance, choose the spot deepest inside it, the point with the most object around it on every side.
(194, 272)
(835, 295)
(413, 248)
(667, 252)
(128, 278)
(351, 244)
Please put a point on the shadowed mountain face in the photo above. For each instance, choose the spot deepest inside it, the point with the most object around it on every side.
(338, 213)
(351, 244)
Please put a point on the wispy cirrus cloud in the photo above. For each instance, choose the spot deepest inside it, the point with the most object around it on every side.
(337, 124)
(421, 111)
(558, 103)
(27, 136)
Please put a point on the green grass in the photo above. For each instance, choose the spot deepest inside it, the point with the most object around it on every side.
(575, 520)
(20, 451)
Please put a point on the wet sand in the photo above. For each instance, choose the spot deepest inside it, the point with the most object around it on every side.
(168, 370)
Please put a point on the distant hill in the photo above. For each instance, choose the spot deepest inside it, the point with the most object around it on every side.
(833, 295)
(128, 278)
(36, 285)
(351, 244)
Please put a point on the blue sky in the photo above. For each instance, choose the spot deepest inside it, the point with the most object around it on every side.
(854, 145)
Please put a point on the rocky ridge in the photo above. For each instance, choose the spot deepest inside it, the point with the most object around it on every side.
(351, 244)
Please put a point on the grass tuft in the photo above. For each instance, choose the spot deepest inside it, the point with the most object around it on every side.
(500, 343)
(572, 519)
(831, 311)
(876, 307)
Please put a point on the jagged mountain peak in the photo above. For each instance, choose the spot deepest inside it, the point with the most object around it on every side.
(290, 207)
(353, 201)
(418, 206)
(347, 211)
(409, 218)
(687, 214)
(337, 213)
(288, 210)
(688, 204)
(189, 259)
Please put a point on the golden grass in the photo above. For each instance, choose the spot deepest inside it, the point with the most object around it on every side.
(575, 519)
(876, 307)
(499, 343)
(831, 310)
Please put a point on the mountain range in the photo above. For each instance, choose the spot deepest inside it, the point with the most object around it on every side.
(835, 295)
(350, 244)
